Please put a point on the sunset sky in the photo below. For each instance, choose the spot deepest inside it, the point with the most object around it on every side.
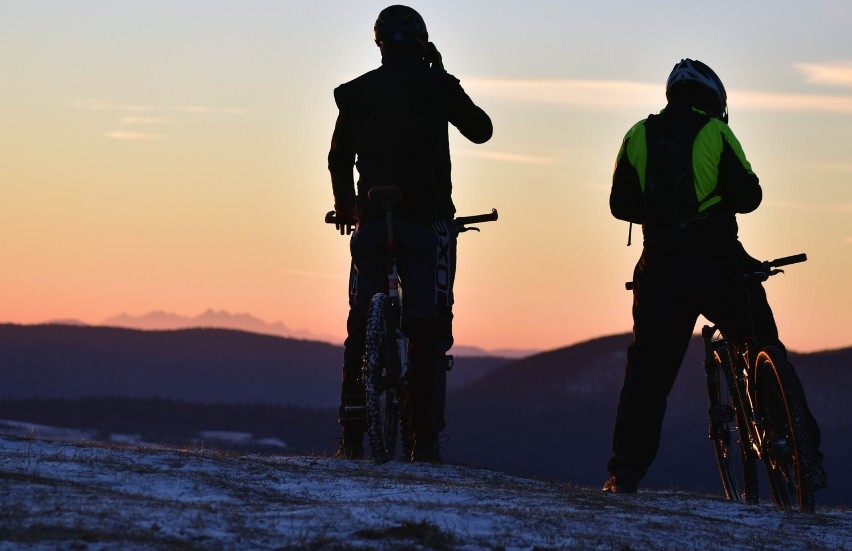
(171, 155)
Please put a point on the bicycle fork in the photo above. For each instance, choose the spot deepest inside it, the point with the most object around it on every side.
(721, 415)
(744, 383)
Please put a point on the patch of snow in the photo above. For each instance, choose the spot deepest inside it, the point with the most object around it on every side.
(46, 432)
(58, 494)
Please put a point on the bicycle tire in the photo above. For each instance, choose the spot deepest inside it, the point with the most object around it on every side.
(381, 375)
(736, 461)
(785, 440)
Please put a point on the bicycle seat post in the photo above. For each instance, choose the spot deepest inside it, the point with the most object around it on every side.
(389, 196)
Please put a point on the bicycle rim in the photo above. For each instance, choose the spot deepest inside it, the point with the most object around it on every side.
(737, 464)
(381, 372)
(785, 442)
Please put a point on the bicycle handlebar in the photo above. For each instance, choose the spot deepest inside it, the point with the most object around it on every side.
(786, 260)
(460, 223)
(762, 274)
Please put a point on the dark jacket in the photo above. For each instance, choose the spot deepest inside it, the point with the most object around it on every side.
(394, 120)
(683, 176)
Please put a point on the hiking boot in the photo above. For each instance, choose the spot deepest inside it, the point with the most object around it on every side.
(616, 486)
(426, 451)
(818, 477)
(626, 482)
(350, 447)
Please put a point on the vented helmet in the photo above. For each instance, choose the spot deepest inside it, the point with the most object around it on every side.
(689, 70)
(400, 23)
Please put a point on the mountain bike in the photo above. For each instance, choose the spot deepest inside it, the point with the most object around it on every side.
(757, 413)
(385, 361)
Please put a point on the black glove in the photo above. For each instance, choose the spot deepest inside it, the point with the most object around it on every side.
(433, 57)
(346, 220)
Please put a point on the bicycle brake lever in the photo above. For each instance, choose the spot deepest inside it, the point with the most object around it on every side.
(465, 228)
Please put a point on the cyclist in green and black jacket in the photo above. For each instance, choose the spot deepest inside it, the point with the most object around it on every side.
(683, 176)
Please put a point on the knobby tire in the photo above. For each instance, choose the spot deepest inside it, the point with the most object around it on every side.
(786, 446)
(381, 377)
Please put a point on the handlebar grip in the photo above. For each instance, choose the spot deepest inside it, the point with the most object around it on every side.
(476, 219)
(787, 260)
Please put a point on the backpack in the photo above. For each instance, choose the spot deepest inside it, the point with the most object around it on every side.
(670, 195)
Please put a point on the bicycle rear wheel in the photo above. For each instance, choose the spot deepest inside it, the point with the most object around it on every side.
(381, 378)
(785, 441)
(737, 463)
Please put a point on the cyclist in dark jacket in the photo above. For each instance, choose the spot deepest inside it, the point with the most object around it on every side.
(393, 126)
(683, 176)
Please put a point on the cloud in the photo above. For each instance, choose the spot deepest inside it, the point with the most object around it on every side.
(840, 208)
(611, 94)
(510, 157)
(827, 74)
(141, 114)
(122, 135)
(90, 104)
(577, 93)
(144, 121)
(830, 167)
(204, 110)
(765, 101)
(312, 275)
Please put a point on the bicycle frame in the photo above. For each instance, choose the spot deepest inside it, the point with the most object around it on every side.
(389, 196)
(386, 355)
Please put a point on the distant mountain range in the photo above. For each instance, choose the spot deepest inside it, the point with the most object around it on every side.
(210, 318)
(161, 320)
(198, 365)
(548, 415)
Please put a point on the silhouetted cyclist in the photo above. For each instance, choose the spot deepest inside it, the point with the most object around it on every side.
(683, 175)
(393, 126)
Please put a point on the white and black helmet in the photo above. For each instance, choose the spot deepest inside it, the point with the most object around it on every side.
(689, 70)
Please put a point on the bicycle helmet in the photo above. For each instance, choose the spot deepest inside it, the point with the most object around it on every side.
(400, 23)
(689, 70)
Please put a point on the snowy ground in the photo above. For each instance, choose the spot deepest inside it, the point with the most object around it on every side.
(60, 495)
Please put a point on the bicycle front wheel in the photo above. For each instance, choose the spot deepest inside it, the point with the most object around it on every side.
(381, 378)
(785, 441)
(737, 463)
